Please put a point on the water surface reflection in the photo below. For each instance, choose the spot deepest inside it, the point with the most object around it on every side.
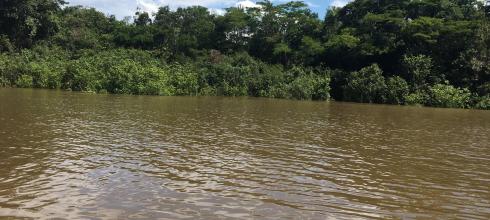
(72, 155)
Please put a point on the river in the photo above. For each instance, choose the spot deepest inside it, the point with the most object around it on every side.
(72, 155)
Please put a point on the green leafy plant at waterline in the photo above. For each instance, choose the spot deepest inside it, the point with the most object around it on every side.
(366, 85)
(483, 102)
(447, 96)
(396, 90)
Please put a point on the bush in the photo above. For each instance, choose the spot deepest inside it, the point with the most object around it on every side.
(24, 81)
(419, 71)
(81, 75)
(4, 59)
(338, 83)
(417, 98)
(152, 81)
(396, 90)
(5, 44)
(43, 75)
(447, 96)
(267, 80)
(366, 85)
(43, 64)
(483, 102)
(119, 71)
(280, 90)
(12, 67)
(183, 80)
(230, 75)
(309, 85)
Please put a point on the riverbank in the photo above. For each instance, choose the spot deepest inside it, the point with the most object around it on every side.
(138, 72)
(402, 53)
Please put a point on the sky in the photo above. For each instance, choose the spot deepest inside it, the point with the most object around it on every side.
(123, 8)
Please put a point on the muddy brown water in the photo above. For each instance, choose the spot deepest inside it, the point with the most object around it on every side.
(84, 156)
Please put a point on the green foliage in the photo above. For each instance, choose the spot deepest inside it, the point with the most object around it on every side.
(483, 102)
(26, 21)
(396, 90)
(5, 44)
(417, 98)
(230, 76)
(310, 51)
(342, 42)
(25, 81)
(441, 95)
(85, 28)
(366, 85)
(310, 85)
(80, 75)
(419, 69)
(447, 96)
(120, 71)
(183, 80)
(278, 50)
(42, 64)
(240, 75)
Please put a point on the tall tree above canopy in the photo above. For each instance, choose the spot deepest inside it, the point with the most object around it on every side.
(25, 21)
(185, 29)
(280, 29)
(83, 28)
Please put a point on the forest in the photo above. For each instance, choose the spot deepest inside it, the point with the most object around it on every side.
(404, 52)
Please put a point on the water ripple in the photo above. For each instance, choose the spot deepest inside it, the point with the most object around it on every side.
(71, 156)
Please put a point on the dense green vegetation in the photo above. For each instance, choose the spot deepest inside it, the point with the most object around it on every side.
(417, 52)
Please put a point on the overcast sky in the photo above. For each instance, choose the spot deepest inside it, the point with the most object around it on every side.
(123, 8)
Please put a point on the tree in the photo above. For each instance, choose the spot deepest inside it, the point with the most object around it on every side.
(396, 90)
(279, 30)
(142, 19)
(185, 30)
(447, 96)
(419, 71)
(85, 28)
(366, 85)
(26, 21)
(236, 29)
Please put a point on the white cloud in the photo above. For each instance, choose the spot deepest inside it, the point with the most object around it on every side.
(186, 3)
(246, 4)
(123, 8)
(217, 11)
(148, 6)
(339, 3)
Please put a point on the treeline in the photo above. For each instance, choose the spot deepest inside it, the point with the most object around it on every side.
(417, 52)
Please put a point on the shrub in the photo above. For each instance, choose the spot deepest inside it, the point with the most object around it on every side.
(366, 85)
(309, 85)
(229, 76)
(483, 102)
(183, 80)
(43, 75)
(447, 96)
(302, 87)
(264, 79)
(418, 71)
(12, 66)
(81, 75)
(4, 58)
(338, 83)
(151, 81)
(24, 81)
(5, 44)
(119, 71)
(417, 98)
(280, 90)
(396, 90)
